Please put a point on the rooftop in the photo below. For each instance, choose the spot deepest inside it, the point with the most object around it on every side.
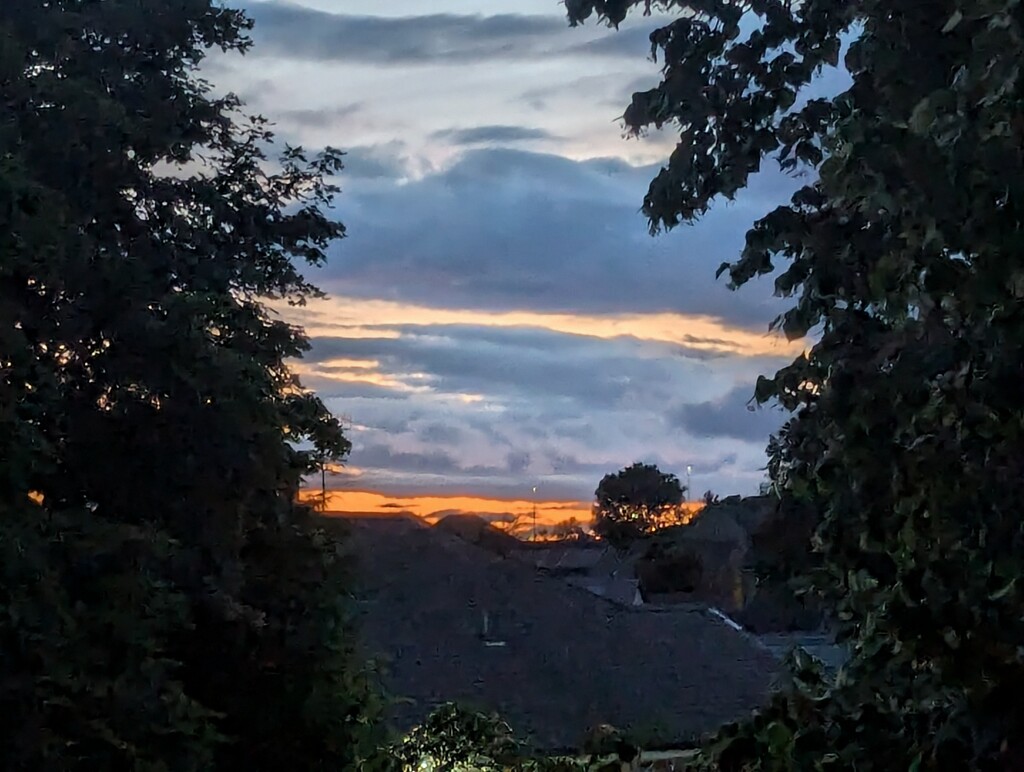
(462, 624)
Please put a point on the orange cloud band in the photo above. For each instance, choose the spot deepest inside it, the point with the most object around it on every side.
(347, 317)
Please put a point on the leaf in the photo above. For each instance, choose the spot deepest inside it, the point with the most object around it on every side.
(830, 52)
(779, 738)
(142, 232)
(764, 389)
(922, 116)
(1003, 591)
(906, 431)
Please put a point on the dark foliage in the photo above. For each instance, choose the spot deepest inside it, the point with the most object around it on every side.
(664, 571)
(902, 255)
(636, 501)
(164, 604)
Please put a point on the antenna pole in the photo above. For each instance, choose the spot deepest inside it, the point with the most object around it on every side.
(535, 513)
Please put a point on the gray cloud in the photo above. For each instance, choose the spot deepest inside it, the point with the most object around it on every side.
(482, 135)
(383, 464)
(441, 434)
(386, 162)
(558, 408)
(523, 364)
(517, 462)
(613, 93)
(731, 415)
(376, 162)
(319, 118)
(511, 230)
(385, 457)
(631, 42)
(305, 33)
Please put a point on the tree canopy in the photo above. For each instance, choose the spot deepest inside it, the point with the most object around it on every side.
(636, 501)
(164, 604)
(902, 256)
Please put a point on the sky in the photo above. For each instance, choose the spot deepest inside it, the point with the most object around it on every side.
(499, 317)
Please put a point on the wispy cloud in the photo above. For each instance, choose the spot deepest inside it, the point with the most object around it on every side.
(508, 229)
(319, 118)
(499, 135)
(732, 415)
(483, 407)
(298, 32)
(694, 335)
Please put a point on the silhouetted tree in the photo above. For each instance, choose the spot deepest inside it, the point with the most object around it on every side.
(166, 605)
(902, 251)
(635, 501)
(568, 530)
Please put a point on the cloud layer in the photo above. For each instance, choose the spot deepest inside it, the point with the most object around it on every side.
(294, 31)
(500, 316)
(493, 410)
(511, 229)
(497, 135)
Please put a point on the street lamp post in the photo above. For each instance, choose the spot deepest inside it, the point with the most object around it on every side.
(689, 489)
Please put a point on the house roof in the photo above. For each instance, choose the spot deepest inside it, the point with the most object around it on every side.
(556, 659)
(477, 530)
(820, 646)
(563, 557)
(622, 590)
(749, 511)
(712, 525)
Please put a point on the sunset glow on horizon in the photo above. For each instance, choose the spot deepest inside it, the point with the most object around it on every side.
(514, 514)
(433, 508)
